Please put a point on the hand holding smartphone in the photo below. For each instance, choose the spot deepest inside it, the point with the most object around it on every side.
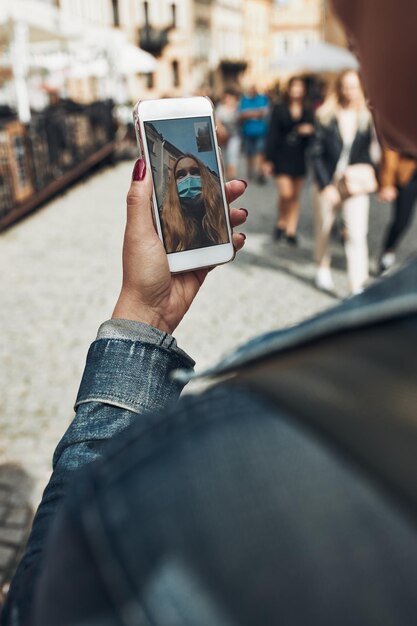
(178, 142)
(157, 288)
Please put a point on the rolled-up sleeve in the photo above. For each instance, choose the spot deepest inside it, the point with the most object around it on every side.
(132, 373)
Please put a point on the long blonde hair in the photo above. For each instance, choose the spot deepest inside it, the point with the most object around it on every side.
(334, 103)
(179, 232)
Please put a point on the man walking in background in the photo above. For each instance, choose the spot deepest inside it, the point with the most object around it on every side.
(253, 115)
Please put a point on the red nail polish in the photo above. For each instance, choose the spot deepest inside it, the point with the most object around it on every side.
(139, 171)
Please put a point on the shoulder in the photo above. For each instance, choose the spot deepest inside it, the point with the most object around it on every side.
(326, 126)
(325, 119)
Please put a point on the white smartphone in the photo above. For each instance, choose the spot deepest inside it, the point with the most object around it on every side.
(178, 141)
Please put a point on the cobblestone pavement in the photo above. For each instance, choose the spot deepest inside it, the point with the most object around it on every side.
(60, 279)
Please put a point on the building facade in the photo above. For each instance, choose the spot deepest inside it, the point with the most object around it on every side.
(296, 25)
(163, 155)
(165, 29)
(200, 46)
(333, 31)
(258, 42)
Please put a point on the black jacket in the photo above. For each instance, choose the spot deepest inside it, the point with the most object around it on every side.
(285, 148)
(328, 146)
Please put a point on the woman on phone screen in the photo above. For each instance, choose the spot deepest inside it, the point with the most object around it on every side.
(344, 137)
(192, 212)
(289, 132)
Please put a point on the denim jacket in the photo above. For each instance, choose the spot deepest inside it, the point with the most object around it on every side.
(133, 377)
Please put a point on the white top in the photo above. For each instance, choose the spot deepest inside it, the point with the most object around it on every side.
(348, 126)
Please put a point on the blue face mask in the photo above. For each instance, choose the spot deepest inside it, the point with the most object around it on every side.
(189, 187)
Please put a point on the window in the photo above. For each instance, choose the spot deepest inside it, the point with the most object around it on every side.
(150, 80)
(282, 45)
(146, 13)
(175, 74)
(116, 16)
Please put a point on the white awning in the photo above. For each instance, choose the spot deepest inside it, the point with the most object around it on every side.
(97, 68)
(129, 59)
(51, 62)
(320, 57)
(36, 33)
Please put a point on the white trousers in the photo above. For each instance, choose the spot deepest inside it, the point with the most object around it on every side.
(355, 212)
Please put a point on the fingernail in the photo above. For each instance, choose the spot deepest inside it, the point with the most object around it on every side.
(139, 171)
(243, 181)
(246, 211)
(243, 235)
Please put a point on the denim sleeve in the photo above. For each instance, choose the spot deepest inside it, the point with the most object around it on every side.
(127, 374)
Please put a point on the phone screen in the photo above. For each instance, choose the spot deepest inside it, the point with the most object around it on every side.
(187, 183)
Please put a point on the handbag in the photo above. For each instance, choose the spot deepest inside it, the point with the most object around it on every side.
(357, 180)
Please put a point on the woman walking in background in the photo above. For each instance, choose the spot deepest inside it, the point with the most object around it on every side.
(345, 178)
(398, 183)
(289, 132)
(228, 131)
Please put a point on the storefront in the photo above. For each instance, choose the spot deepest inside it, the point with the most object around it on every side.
(57, 92)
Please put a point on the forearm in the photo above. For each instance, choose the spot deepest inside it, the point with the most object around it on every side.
(253, 114)
(389, 168)
(127, 375)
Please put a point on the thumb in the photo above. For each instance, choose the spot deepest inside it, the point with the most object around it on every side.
(139, 202)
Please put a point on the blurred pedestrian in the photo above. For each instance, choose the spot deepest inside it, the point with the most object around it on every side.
(398, 178)
(228, 131)
(290, 130)
(345, 177)
(253, 110)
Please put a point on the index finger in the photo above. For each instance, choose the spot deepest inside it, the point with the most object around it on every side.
(235, 189)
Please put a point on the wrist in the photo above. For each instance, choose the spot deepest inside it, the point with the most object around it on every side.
(128, 308)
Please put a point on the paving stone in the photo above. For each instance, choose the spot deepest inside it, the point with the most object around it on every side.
(12, 536)
(4, 511)
(18, 516)
(6, 556)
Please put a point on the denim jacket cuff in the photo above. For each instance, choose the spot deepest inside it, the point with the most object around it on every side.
(131, 367)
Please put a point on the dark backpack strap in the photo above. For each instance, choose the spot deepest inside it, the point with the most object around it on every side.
(358, 391)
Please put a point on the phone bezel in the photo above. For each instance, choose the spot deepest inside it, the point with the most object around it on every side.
(174, 108)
